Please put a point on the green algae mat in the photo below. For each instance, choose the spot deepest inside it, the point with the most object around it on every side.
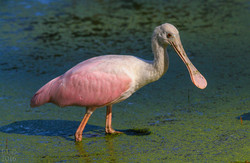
(167, 121)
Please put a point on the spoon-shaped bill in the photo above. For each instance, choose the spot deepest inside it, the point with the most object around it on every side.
(195, 75)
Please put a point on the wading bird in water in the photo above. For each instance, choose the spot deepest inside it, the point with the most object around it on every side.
(109, 79)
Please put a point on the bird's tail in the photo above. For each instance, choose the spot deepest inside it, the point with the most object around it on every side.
(42, 96)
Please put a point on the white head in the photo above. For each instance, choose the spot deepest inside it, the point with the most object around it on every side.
(167, 34)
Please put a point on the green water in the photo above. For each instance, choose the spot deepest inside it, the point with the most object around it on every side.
(167, 121)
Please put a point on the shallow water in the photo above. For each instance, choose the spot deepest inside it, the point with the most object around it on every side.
(169, 120)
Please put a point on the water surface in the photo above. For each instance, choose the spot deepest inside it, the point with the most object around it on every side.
(169, 120)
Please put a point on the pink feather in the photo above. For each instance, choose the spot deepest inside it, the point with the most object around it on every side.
(86, 84)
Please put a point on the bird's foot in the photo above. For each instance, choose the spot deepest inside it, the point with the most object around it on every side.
(112, 131)
(78, 137)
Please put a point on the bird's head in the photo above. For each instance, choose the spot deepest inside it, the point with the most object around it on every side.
(167, 34)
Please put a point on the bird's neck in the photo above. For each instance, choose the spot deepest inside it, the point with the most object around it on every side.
(153, 70)
(160, 63)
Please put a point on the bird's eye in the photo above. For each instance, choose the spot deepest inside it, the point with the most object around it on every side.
(169, 35)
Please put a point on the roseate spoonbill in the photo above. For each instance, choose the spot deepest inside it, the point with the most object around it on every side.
(109, 79)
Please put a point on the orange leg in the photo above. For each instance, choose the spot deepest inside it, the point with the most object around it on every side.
(108, 128)
(78, 134)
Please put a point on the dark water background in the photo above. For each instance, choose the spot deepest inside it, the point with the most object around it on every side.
(169, 120)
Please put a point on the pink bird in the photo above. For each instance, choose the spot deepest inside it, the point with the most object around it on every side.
(109, 79)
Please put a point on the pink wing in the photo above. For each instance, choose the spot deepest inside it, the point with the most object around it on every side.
(83, 86)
